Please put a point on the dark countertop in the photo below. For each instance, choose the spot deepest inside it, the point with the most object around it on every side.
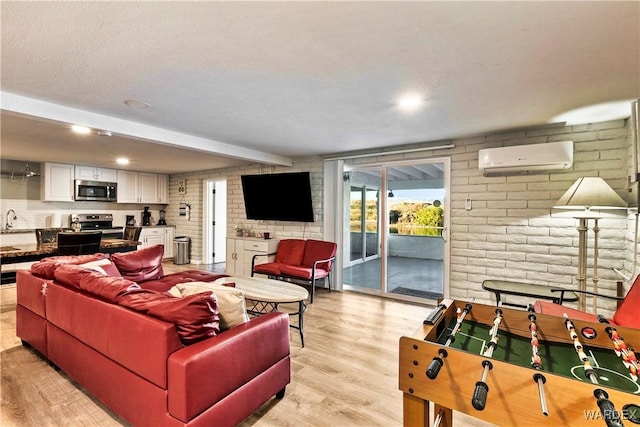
(8, 252)
(33, 230)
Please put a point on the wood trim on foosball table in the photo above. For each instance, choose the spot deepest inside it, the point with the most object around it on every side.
(513, 397)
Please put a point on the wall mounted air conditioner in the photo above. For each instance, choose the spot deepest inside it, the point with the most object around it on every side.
(523, 159)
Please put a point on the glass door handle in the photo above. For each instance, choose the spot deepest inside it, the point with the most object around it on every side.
(445, 234)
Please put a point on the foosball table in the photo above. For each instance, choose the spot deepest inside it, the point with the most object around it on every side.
(518, 368)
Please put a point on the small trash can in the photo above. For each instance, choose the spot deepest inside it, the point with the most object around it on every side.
(181, 250)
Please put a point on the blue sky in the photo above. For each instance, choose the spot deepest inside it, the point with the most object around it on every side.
(422, 195)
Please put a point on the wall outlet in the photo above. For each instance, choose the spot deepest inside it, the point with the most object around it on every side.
(467, 204)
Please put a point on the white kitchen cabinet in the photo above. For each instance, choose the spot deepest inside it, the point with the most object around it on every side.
(163, 188)
(150, 236)
(240, 252)
(56, 183)
(169, 233)
(142, 187)
(147, 187)
(91, 173)
(127, 186)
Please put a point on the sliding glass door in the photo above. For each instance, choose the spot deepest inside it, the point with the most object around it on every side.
(363, 237)
(415, 241)
(397, 229)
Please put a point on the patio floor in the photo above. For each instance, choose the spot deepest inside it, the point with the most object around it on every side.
(406, 276)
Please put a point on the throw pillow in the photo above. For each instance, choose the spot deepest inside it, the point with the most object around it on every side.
(141, 265)
(104, 266)
(46, 267)
(93, 281)
(231, 304)
(107, 287)
(195, 317)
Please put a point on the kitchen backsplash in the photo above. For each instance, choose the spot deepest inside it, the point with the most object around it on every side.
(37, 214)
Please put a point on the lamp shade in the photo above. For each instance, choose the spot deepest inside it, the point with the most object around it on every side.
(590, 192)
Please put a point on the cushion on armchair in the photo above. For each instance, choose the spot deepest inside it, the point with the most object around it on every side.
(290, 251)
(303, 272)
(269, 268)
(316, 250)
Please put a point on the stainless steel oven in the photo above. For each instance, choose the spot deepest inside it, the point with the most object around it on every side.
(96, 191)
(96, 222)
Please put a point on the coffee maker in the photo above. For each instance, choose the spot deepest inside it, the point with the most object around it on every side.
(146, 216)
(131, 221)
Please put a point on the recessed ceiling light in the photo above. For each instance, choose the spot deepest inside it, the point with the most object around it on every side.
(80, 129)
(596, 113)
(134, 103)
(122, 161)
(410, 102)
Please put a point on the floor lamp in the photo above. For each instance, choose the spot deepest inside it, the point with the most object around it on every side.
(589, 193)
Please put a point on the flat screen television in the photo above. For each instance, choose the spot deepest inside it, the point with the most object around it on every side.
(278, 196)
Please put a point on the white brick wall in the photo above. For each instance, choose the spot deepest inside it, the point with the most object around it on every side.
(511, 233)
(516, 235)
(235, 203)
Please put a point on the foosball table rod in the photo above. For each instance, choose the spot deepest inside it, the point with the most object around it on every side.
(439, 418)
(624, 352)
(479, 398)
(536, 363)
(540, 380)
(438, 361)
(609, 414)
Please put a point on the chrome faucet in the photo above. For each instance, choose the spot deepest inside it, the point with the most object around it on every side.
(10, 218)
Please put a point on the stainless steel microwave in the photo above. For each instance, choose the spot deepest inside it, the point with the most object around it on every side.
(96, 191)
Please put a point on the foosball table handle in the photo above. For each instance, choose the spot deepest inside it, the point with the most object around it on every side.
(479, 399)
(434, 368)
(607, 409)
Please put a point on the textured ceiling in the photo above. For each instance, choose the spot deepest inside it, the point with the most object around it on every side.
(271, 81)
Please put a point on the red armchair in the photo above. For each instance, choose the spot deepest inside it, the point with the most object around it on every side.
(297, 260)
(625, 315)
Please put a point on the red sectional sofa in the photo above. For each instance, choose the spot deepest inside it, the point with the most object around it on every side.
(153, 359)
(299, 260)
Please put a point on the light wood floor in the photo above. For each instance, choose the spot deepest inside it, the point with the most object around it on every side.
(347, 374)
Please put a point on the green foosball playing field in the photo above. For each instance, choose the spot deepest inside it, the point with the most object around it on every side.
(518, 368)
(558, 358)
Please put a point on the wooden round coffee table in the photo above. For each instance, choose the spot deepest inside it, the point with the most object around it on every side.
(265, 295)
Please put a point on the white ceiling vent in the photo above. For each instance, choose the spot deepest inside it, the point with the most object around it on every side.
(523, 159)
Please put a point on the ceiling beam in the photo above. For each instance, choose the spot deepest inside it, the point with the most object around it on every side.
(54, 112)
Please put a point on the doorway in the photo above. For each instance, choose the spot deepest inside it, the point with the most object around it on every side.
(397, 219)
(215, 222)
